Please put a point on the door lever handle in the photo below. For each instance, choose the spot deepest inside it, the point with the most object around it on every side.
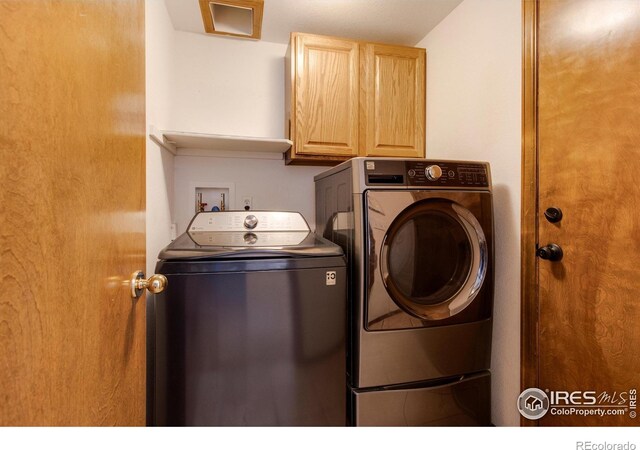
(155, 284)
(551, 252)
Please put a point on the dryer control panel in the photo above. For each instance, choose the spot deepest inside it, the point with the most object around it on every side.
(443, 173)
(427, 173)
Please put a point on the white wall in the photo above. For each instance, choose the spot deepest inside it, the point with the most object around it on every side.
(270, 183)
(228, 86)
(217, 85)
(231, 86)
(473, 112)
(159, 54)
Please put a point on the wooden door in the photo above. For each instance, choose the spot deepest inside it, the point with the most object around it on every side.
(588, 147)
(72, 223)
(392, 116)
(325, 96)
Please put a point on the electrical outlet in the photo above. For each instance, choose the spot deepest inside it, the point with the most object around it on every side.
(247, 203)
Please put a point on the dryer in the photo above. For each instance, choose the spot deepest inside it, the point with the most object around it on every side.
(418, 236)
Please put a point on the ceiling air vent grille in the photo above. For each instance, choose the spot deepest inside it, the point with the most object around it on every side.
(238, 18)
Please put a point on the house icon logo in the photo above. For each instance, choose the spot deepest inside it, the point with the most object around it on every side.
(533, 403)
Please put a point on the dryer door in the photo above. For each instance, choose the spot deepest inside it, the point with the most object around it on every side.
(428, 256)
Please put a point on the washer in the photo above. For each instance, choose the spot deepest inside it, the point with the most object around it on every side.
(418, 235)
(251, 327)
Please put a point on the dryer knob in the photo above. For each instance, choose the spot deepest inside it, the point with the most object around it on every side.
(433, 172)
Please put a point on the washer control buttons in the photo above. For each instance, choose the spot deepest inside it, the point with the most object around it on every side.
(250, 222)
(412, 173)
(433, 172)
(451, 174)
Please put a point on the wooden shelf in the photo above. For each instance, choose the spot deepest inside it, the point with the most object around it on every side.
(201, 144)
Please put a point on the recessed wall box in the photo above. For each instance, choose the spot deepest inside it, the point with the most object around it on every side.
(211, 199)
(238, 18)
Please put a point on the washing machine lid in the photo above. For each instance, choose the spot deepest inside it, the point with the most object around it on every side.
(244, 234)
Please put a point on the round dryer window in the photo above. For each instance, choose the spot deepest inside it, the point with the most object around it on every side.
(434, 259)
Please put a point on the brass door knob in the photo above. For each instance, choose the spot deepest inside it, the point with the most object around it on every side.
(154, 284)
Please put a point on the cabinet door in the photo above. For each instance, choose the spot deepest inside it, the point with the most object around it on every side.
(392, 115)
(325, 96)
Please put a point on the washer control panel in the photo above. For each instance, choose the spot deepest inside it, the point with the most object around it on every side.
(240, 221)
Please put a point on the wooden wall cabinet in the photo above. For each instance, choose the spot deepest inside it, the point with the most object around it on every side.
(324, 104)
(347, 98)
(392, 114)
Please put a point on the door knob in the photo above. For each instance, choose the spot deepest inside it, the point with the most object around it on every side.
(553, 214)
(551, 252)
(155, 284)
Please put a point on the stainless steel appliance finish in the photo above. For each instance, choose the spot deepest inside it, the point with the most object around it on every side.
(418, 236)
(251, 328)
(459, 401)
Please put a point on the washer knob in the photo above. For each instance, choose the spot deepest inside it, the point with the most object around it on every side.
(433, 172)
(250, 222)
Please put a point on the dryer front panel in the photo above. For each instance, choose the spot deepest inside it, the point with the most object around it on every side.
(429, 258)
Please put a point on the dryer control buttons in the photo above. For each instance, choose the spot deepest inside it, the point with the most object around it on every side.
(433, 172)
(250, 222)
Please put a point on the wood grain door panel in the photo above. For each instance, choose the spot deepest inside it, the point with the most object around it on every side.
(589, 160)
(72, 225)
(326, 96)
(392, 117)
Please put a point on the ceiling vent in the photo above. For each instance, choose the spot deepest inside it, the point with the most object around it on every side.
(238, 18)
